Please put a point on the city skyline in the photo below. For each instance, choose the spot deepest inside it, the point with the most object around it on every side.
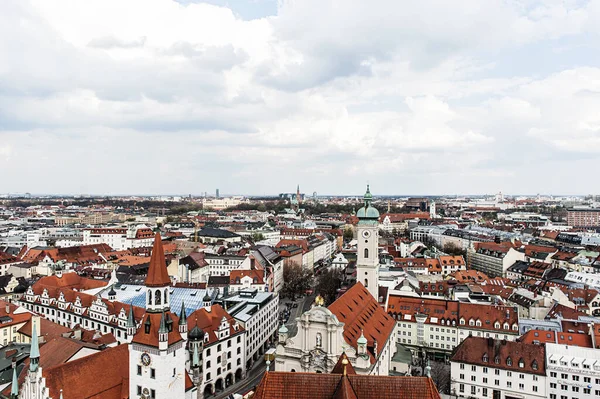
(107, 97)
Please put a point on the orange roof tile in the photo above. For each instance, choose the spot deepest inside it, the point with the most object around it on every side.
(103, 375)
(157, 272)
(282, 385)
(361, 313)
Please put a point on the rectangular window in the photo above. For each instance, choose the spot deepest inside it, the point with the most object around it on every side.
(152, 373)
(139, 370)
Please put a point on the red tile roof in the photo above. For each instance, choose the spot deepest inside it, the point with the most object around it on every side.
(282, 385)
(157, 272)
(361, 313)
(104, 375)
(563, 338)
(150, 337)
(68, 280)
(519, 357)
(452, 312)
(209, 322)
(258, 274)
(48, 329)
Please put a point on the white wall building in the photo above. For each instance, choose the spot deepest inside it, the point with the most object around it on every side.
(489, 368)
(573, 372)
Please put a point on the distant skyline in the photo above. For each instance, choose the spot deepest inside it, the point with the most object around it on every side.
(256, 96)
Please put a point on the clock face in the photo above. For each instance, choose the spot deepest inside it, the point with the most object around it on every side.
(366, 234)
(146, 359)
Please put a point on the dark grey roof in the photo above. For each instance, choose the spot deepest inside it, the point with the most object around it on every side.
(216, 233)
(218, 280)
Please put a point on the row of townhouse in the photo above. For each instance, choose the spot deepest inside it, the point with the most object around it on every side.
(316, 248)
(438, 326)
(120, 238)
(498, 369)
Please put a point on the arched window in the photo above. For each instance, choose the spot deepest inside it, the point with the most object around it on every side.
(366, 253)
(366, 282)
(149, 297)
(165, 294)
(157, 297)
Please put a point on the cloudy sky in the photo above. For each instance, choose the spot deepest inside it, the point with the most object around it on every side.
(256, 96)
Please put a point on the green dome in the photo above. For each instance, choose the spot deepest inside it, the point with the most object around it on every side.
(362, 340)
(368, 213)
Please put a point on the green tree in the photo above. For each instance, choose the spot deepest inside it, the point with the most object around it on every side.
(257, 236)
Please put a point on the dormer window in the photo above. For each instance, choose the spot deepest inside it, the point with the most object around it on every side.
(508, 361)
(485, 358)
(521, 363)
(497, 360)
(534, 365)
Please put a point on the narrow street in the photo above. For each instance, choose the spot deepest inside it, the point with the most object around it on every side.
(253, 378)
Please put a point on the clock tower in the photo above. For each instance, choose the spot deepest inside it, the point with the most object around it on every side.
(157, 350)
(367, 264)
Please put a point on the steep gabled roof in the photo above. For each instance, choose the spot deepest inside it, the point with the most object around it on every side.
(158, 276)
(283, 385)
(102, 375)
(361, 313)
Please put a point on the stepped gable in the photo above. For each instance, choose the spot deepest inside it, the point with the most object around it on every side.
(283, 385)
(157, 271)
(361, 313)
(209, 322)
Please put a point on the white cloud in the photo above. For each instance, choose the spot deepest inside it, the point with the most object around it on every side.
(348, 89)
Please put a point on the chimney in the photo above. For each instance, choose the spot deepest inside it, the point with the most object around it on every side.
(375, 348)
(7, 308)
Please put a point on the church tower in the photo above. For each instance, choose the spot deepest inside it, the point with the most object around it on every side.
(367, 264)
(157, 351)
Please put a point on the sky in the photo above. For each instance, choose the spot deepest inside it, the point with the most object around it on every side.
(256, 96)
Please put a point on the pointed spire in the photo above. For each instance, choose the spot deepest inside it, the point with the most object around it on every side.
(158, 276)
(130, 318)
(14, 389)
(162, 329)
(34, 354)
(195, 357)
(182, 315)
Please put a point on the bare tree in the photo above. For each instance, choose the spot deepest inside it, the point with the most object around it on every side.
(440, 374)
(296, 280)
(328, 284)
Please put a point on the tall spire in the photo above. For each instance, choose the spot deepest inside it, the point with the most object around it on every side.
(195, 357)
(182, 315)
(130, 318)
(34, 354)
(162, 329)
(158, 276)
(14, 389)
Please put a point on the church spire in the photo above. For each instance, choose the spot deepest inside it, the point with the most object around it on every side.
(130, 318)
(34, 354)
(157, 271)
(182, 315)
(14, 389)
